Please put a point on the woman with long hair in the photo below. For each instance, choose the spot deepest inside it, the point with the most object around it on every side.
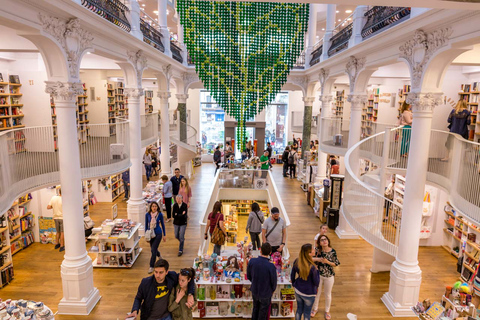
(458, 122)
(185, 191)
(154, 221)
(326, 259)
(406, 119)
(306, 283)
(177, 305)
(254, 225)
(215, 218)
(147, 162)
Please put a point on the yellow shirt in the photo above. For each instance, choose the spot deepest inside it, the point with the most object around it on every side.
(56, 204)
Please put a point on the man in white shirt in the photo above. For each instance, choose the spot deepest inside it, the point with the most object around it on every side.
(56, 204)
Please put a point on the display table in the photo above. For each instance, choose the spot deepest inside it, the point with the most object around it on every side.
(19, 309)
(117, 244)
(231, 296)
(153, 192)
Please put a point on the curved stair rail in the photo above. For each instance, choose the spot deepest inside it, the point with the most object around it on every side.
(334, 135)
(453, 164)
(29, 158)
(150, 128)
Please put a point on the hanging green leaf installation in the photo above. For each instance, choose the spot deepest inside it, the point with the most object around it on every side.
(243, 51)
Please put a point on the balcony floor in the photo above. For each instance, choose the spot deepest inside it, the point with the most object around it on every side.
(356, 290)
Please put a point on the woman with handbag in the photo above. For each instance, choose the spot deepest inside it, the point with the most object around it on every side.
(154, 230)
(217, 229)
(254, 225)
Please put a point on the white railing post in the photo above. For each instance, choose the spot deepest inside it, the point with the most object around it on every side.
(163, 23)
(331, 13)
(134, 19)
(457, 157)
(358, 23)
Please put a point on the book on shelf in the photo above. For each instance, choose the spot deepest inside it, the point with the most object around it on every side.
(14, 79)
(1, 77)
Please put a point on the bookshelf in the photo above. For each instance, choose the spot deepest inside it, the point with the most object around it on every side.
(117, 186)
(6, 266)
(462, 239)
(11, 114)
(470, 93)
(370, 112)
(83, 129)
(148, 101)
(20, 224)
(118, 244)
(117, 104)
(339, 103)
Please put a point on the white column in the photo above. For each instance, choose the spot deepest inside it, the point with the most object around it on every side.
(405, 274)
(312, 32)
(79, 294)
(165, 133)
(136, 207)
(163, 22)
(358, 23)
(326, 100)
(134, 17)
(331, 15)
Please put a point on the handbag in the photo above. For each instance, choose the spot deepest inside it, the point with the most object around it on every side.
(218, 237)
(150, 233)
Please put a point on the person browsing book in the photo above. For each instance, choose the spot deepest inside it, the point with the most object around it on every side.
(56, 204)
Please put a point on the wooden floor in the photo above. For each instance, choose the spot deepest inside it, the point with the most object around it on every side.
(356, 290)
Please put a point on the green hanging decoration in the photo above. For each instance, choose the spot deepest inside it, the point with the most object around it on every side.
(243, 51)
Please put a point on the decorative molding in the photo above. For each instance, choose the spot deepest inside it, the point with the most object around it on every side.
(326, 99)
(424, 102)
(188, 79)
(419, 50)
(73, 39)
(357, 99)
(134, 93)
(167, 71)
(353, 68)
(323, 76)
(139, 62)
(302, 82)
(308, 101)
(164, 95)
(182, 98)
(64, 91)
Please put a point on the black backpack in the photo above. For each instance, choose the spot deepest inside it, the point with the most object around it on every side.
(291, 158)
(216, 156)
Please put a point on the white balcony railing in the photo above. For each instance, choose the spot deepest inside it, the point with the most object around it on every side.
(453, 163)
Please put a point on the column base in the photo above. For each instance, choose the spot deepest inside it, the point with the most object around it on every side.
(136, 209)
(404, 289)
(346, 234)
(80, 296)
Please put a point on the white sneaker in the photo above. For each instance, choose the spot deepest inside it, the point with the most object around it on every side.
(150, 270)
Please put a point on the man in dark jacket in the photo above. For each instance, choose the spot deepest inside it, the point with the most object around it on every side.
(154, 292)
(263, 276)
(180, 218)
(176, 179)
(126, 183)
(285, 161)
(217, 158)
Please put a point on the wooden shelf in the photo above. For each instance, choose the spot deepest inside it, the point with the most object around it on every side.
(16, 251)
(468, 267)
(457, 228)
(446, 221)
(25, 215)
(5, 266)
(15, 238)
(471, 256)
(5, 250)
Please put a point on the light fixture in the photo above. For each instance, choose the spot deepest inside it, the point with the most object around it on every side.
(156, 12)
(349, 19)
(339, 20)
(316, 37)
(323, 29)
(143, 5)
(89, 53)
(168, 11)
(337, 11)
(348, 11)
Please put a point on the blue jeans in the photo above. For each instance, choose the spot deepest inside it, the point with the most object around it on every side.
(154, 244)
(180, 235)
(148, 171)
(260, 308)
(126, 187)
(304, 306)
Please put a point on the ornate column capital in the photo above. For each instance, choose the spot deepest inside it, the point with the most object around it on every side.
(308, 101)
(323, 76)
(424, 103)
(182, 98)
(325, 99)
(164, 95)
(134, 93)
(139, 62)
(64, 91)
(353, 68)
(72, 38)
(419, 50)
(357, 101)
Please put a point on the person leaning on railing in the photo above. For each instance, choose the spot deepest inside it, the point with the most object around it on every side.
(458, 122)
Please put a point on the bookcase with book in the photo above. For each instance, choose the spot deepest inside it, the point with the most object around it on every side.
(462, 239)
(117, 104)
(470, 93)
(6, 266)
(83, 129)
(370, 112)
(148, 101)
(117, 244)
(20, 224)
(339, 104)
(11, 114)
(402, 97)
(117, 186)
